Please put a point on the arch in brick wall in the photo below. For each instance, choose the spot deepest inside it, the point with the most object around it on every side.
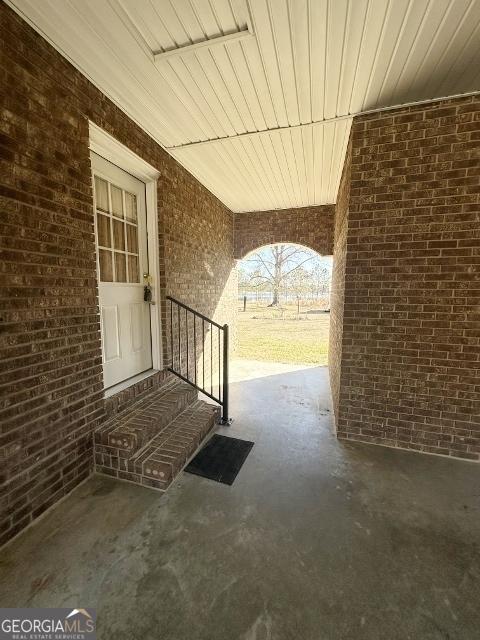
(281, 242)
(310, 227)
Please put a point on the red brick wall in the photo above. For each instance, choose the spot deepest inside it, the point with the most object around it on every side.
(337, 295)
(311, 227)
(51, 377)
(410, 366)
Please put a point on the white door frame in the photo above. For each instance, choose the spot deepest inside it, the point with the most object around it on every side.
(106, 146)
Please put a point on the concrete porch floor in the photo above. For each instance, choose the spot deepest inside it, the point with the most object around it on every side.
(316, 539)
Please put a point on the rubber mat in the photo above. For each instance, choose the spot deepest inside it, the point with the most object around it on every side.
(220, 459)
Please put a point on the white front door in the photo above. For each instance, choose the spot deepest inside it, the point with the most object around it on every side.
(121, 238)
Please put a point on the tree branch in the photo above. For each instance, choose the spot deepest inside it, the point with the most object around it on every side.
(264, 264)
(298, 266)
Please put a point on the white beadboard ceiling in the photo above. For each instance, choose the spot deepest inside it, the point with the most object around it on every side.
(263, 121)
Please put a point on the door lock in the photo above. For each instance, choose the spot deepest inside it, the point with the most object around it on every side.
(147, 289)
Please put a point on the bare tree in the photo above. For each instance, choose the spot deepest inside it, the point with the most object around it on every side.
(275, 264)
(321, 278)
(299, 282)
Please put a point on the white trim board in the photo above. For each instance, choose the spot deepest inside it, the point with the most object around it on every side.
(105, 145)
(109, 148)
(238, 36)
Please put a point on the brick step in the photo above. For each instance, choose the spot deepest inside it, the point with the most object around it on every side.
(164, 456)
(167, 453)
(126, 433)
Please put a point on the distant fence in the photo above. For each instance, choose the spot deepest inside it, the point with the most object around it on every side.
(266, 297)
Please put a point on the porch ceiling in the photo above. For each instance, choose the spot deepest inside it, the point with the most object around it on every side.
(263, 121)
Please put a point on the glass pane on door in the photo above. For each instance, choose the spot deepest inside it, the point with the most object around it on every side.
(106, 268)
(117, 235)
(130, 206)
(101, 193)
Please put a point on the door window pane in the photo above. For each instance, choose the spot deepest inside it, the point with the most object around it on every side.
(120, 267)
(130, 206)
(103, 230)
(106, 269)
(118, 235)
(117, 201)
(132, 240)
(133, 273)
(101, 194)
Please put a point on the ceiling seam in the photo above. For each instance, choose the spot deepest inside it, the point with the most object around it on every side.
(305, 170)
(429, 48)
(157, 68)
(401, 32)
(251, 179)
(452, 39)
(309, 36)
(124, 66)
(332, 157)
(260, 54)
(359, 54)
(343, 151)
(346, 30)
(294, 191)
(328, 120)
(170, 35)
(253, 83)
(263, 161)
(275, 48)
(297, 162)
(180, 22)
(214, 90)
(460, 53)
(280, 144)
(187, 92)
(216, 119)
(412, 48)
(256, 165)
(227, 90)
(186, 79)
(229, 58)
(278, 170)
(292, 53)
(379, 42)
(203, 29)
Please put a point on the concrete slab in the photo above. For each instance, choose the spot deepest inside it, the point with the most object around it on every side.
(315, 540)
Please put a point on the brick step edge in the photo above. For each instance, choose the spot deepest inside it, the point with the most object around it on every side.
(165, 456)
(128, 433)
(142, 401)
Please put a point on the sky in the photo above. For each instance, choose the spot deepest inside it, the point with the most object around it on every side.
(325, 261)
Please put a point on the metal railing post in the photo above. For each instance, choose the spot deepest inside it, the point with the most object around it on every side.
(178, 340)
(225, 418)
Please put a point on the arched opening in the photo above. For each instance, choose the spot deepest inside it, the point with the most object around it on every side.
(283, 308)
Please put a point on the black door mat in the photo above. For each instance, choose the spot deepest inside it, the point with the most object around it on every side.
(220, 459)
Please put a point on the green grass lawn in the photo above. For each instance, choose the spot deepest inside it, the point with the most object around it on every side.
(282, 336)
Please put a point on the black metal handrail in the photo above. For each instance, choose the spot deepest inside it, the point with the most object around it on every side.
(185, 325)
